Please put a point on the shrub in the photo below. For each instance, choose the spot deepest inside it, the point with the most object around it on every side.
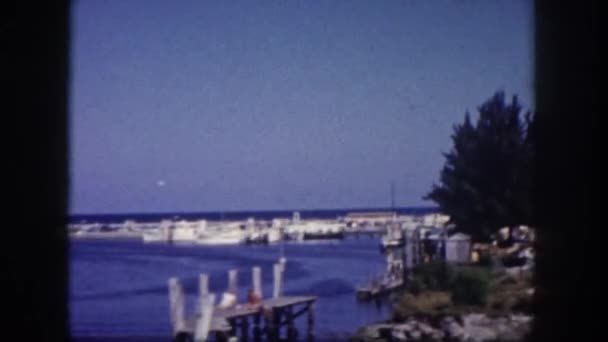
(416, 285)
(471, 287)
(433, 276)
(485, 260)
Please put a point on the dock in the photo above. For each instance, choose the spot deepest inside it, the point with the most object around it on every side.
(264, 322)
(271, 319)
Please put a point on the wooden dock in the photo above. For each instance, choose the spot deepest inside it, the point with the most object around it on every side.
(373, 291)
(263, 320)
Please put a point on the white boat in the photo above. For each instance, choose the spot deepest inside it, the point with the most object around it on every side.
(160, 234)
(274, 235)
(185, 231)
(222, 237)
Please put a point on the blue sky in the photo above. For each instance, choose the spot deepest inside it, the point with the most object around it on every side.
(257, 105)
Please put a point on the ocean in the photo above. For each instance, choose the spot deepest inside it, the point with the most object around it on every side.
(119, 292)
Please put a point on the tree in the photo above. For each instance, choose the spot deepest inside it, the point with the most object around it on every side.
(486, 181)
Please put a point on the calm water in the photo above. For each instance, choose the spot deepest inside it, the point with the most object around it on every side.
(119, 288)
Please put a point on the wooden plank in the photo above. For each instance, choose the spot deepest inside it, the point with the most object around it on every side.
(285, 301)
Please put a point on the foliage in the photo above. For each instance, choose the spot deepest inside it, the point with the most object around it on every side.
(486, 182)
(430, 302)
(471, 286)
(433, 276)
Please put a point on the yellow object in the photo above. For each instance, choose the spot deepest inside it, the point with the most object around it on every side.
(475, 256)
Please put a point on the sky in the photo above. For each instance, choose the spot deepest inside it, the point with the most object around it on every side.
(280, 105)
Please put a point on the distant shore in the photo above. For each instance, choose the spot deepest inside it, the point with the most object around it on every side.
(243, 215)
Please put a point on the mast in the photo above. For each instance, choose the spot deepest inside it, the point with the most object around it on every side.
(393, 196)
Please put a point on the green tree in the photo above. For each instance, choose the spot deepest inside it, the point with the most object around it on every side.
(486, 181)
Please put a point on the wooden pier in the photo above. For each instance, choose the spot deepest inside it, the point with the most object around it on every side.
(272, 319)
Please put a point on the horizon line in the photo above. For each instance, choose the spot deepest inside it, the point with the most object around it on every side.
(253, 211)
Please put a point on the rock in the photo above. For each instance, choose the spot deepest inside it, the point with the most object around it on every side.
(455, 331)
(373, 331)
(480, 334)
(415, 335)
(437, 335)
(400, 331)
(475, 320)
(425, 329)
(446, 321)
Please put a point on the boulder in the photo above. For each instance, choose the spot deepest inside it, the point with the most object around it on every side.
(415, 335)
(400, 331)
(373, 331)
(480, 334)
(455, 331)
(425, 329)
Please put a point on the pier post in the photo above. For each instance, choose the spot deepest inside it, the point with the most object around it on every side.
(203, 324)
(232, 281)
(244, 329)
(291, 330)
(176, 305)
(278, 281)
(257, 280)
(257, 329)
(232, 323)
(311, 323)
(271, 329)
(276, 316)
(203, 285)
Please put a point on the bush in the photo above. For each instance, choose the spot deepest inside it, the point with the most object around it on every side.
(433, 276)
(485, 260)
(471, 287)
(416, 286)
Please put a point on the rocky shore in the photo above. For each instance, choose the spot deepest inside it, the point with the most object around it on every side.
(470, 327)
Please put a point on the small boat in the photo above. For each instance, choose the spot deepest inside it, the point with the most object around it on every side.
(387, 243)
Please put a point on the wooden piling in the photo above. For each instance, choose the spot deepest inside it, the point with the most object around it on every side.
(257, 280)
(311, 323)
(176, 305)
(233, 324)
(257, 329)
(278, 281)
(203, 285)
(244, 329)
(276, 316)
(232, 281)
(291, 330)
(271, 329)
(203, 324)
